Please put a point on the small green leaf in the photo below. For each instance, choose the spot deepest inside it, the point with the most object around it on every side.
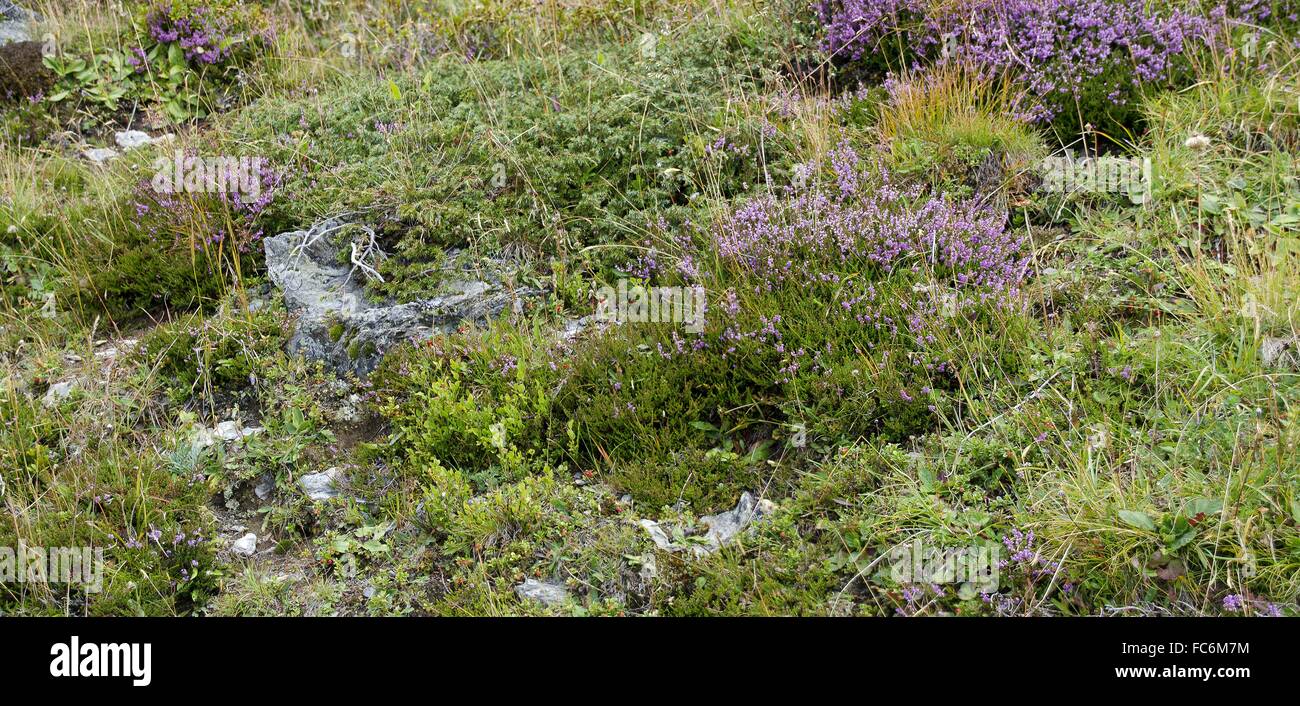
(1208, 506)
(1181, 540)
(1137, 519)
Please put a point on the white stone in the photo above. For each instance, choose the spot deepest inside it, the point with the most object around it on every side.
(131, 139)
(230, 430)
(320, 486)
(546, 593)
(99, 155)
(58, 392)
(245, 546)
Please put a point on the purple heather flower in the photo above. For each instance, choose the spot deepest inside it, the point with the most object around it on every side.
(1056, 49)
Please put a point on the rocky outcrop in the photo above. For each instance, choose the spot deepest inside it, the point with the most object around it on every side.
(720, 529)
(15, 23)
(339, 325)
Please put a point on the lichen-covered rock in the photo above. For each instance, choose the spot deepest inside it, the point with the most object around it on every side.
(321, 486)
(544, 592)
(719, 529)
(15, 23)
(1280, 353)
(339, 325)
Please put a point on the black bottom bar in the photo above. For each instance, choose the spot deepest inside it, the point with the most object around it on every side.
(968, 656)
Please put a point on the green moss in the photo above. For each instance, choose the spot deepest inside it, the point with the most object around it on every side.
(224, 352)
(705, 481)
(592, 159)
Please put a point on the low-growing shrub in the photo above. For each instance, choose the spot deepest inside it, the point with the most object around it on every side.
(829, 310)
(196, 358)
(541, 156)
(181, 56)
(1082, 62)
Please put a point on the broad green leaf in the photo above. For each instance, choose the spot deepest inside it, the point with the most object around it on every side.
(1137, 519)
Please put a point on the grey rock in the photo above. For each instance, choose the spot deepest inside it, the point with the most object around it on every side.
(245, 546)
(58, 392)
(546, 593)
(15, 23)
(321, 486)
(99, 155)
(131, 139)
(724, 526)
(10, 10)
(658, 535)
(720, 529)
(13, 32)
(265, 486)
(1280, 352)
(336, 322)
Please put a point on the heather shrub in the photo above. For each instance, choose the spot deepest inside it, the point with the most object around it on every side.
(830, 309)
(178, 249)
(191, 51)
(197, 358)
(1081, 62)
(183, 58)
(473, 408)
(829, 318)
(701, 480)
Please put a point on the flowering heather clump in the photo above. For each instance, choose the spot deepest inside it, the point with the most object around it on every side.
(891, 263)
(204, 38)
(230, 217)
(1064, 52)
(1025, 555)
(816, 235)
